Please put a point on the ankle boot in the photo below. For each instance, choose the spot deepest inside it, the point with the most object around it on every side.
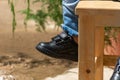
(116, 73)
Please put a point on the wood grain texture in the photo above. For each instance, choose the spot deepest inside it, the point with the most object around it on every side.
(86, 48)
(93, 17)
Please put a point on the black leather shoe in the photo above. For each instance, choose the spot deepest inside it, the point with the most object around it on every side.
(116, 73)
(62, 46)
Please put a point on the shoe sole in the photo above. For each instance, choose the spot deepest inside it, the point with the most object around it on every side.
(48, 53)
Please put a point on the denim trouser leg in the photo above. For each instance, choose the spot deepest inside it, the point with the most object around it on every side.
(70, 20)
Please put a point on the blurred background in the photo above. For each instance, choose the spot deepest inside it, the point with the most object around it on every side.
(18, 55)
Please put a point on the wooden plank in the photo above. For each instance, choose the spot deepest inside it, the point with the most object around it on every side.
(86, 48)
(100, 7)
(104, 15)
(99, 50)
(107, 20)
(110, 60)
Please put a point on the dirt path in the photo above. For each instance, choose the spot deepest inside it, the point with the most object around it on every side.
(18, 55)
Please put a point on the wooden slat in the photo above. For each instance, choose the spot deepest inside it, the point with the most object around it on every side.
(98, 7)
(110, 60)
(107, 20)
(107, 13)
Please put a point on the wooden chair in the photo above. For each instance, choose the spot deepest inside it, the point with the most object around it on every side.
(93, 17)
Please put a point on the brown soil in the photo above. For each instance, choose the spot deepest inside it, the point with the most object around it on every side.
(18, 55)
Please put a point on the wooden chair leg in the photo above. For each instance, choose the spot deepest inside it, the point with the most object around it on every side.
(99, 50)
(86, 48)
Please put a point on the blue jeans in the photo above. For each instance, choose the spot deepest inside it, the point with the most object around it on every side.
(70, 20)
